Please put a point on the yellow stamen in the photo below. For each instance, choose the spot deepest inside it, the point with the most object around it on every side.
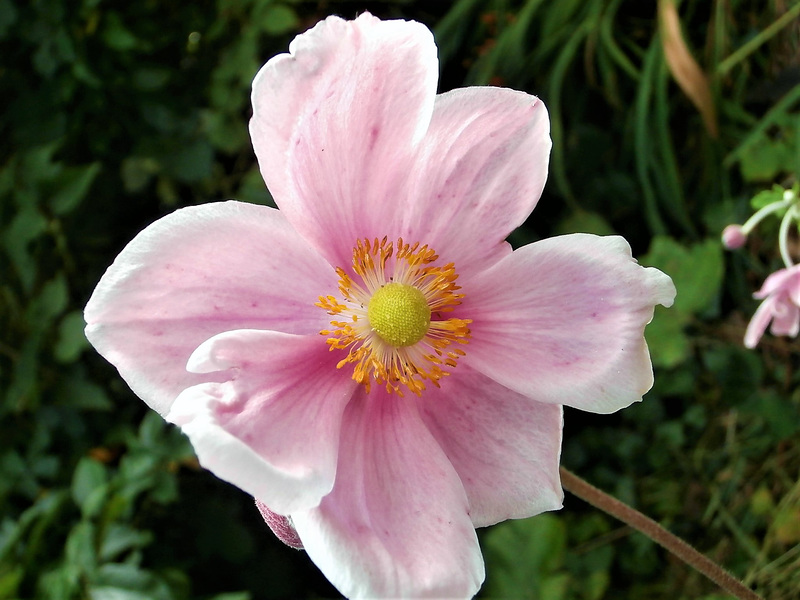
(390, 322)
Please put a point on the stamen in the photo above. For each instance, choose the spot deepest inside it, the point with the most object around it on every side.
(390, 322)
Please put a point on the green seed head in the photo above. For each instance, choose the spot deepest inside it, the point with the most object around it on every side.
(399, 314)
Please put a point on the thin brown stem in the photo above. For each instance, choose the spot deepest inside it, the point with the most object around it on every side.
(630, 516)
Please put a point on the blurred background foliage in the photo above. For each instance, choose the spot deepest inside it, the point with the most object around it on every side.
(667, 118)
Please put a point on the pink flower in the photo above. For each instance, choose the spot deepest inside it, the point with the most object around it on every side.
(781, 306)
(432, 402)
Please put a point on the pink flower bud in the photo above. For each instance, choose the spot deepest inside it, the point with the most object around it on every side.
(733, 237)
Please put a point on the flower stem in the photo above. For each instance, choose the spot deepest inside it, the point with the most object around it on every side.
(783, 236)
(630, 516)
(763, 212)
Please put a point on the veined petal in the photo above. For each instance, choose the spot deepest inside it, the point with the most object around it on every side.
(504, 446)
(479, 173)
(196, 273)
(760, 321)
(396, 524)
(562, 321)
(786, 279)
(335, 123)
(786, 314)
(273, 428)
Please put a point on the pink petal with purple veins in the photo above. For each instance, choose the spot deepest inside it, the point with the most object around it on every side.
(335, 123)
(479, 173)
(396, 524)
(504, 446)
(193, 274)
(562, 320)
(273, 428)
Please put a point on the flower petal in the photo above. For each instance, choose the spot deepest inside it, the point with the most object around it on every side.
(759, 322)
(787, 279)
(479, 174)
(195, 273)
(786, 316)
(396, 523)
(562, 320)
(273, 429)
(335, 122)
(504, 446)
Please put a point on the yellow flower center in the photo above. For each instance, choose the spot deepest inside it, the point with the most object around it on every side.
(399, 314)
(389, 316)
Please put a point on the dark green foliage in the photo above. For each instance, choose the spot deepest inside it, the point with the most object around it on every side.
(114, 114)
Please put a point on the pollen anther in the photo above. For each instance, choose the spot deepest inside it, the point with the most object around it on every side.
(390, 321)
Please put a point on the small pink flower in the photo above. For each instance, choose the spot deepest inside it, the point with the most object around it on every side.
(781, 306)
(432, 402)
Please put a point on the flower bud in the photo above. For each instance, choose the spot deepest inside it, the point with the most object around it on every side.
(733, 237)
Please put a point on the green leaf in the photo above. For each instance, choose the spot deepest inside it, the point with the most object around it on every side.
(80, 547)
(225, 131)
(669, 345)
(72, 185)
(766, 159)
(21, 393)
(83, 394)
(89, 475)
(526, 555)
(696, 270)
(128, 582)
(71, 339)
(116, 35)
(48, 304)
(767, 197)
(276, 19)
(62, 583)
(122, 538)
(28, 225)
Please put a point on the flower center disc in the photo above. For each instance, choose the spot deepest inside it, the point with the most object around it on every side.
(383, 317)
(399, 314)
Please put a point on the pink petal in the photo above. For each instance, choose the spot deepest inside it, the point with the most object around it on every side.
(782, 279)
(786, 315)
(479, 174)
(273, 429)
(561, 321)
(335, 122)
(396, 524)
(195, 273)
(504, 446)
(758, 324)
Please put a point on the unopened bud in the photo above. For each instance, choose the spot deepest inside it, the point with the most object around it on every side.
(733, 237)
